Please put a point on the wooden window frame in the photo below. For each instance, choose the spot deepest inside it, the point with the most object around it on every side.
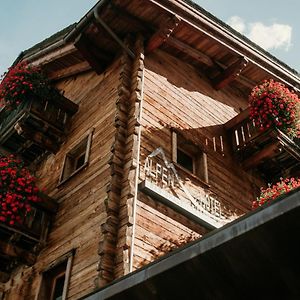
(68, 259)
(199, 157)
(54, 282)
(72, 157)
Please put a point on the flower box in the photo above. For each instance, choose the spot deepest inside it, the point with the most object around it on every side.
(34, 116)
(36, 125)
(20, 243)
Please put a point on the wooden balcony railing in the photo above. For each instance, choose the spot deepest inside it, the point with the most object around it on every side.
(36, 126)
(20, 243)
(271, 151)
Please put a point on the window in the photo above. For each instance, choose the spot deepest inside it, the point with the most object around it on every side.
(55, 279)
(54, 282)
(77, 158)
(185, 160)
(187, 156)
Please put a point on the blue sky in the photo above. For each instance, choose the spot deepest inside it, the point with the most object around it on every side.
(274, 25)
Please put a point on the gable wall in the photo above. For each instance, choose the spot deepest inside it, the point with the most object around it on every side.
(178, 96)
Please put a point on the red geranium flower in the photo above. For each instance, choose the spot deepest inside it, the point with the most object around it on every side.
(272, 105)
(17, 190)
(276, 190)
(21, 82)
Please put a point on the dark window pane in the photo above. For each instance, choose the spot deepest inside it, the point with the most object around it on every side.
(59, 287)
(185, 160)
(80, 161)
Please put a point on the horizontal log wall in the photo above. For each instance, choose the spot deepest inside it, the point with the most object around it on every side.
(179, 97)
(82, 207)
(89, 219)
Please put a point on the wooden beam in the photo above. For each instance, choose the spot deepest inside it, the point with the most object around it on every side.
(205, 59)
(242, 116)
(87, 49)
(241, 79)
(136, 22)
(230, 74)
(266, 153)
(101, 24)
(246, 82)
(190, 51)
(236, 46)
(69, 71)
(164, 32)
(13, 251)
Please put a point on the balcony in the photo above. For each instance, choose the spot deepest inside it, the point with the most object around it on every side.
(36, 126)
(20, 244)
(271, 152)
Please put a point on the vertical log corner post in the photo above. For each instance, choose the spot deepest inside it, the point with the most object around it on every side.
(116, 229)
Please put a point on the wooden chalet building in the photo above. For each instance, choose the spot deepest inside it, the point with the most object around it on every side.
(150, 147)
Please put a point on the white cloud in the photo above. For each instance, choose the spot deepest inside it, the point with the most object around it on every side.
(275, 36)
(271, 37)
(237, 23)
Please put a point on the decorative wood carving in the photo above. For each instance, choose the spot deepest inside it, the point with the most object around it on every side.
(159, 37)
(230, 74)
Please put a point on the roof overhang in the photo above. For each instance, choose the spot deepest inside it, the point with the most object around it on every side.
(180, 28)
(255, 257)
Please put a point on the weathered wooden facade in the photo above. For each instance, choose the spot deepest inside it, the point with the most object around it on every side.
(158, 149)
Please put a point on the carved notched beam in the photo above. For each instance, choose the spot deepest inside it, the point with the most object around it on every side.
(230, 73)
(164, 32)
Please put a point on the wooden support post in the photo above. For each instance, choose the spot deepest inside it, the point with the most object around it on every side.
(159, 37)
(174, 146)
(204, 166)
(230, 74)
